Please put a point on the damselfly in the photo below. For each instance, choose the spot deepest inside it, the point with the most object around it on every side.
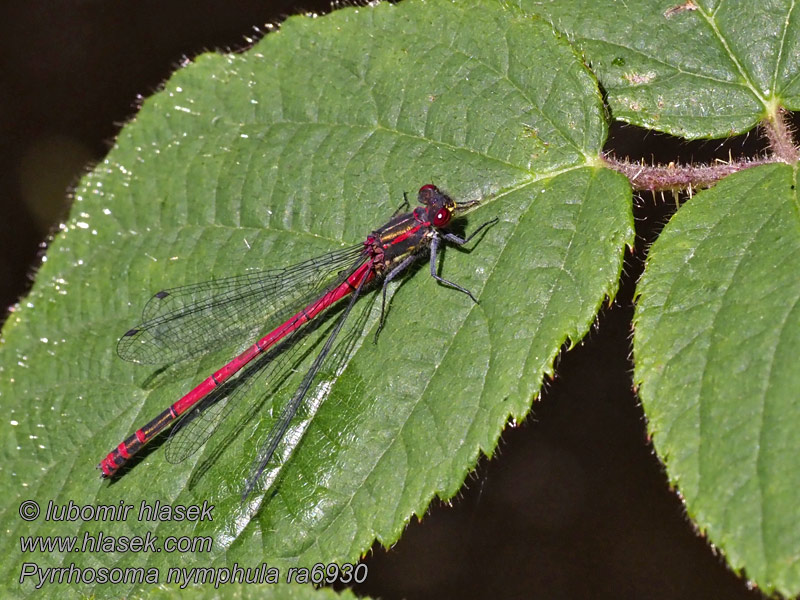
(177, 322)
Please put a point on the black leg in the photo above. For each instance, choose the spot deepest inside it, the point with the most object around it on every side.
(435, 240)
(442, 280)
(391, 275)
(459, 241)
(404, 206)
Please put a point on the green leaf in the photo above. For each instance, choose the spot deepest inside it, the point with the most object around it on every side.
(696, 69)
(714, 332)
(717, 335)
(303, 144)
(238, 591)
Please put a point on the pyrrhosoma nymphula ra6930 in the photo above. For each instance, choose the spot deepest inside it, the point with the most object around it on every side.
(282, 302)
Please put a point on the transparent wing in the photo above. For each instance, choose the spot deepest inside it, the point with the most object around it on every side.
(288, 412)
(187, 321)
(256, 382)
(264, 374)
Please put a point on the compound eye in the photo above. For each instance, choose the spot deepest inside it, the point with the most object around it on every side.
(442, 218)
(429, 187)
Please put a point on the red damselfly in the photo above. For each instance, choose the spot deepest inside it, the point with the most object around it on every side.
(276, 304)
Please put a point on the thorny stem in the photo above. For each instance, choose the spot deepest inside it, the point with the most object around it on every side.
(677, 178)
(779, 134)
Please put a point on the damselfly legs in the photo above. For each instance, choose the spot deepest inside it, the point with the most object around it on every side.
(183, 322)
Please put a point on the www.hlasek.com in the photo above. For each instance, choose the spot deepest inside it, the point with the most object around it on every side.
(33, 573)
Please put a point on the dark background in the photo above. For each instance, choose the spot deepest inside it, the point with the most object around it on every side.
(574, 504)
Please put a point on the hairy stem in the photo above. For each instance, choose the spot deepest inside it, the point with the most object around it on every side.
(779, 134)
(676, 178)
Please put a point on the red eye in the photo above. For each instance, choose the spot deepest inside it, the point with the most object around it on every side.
(441, 218)
(429, 187)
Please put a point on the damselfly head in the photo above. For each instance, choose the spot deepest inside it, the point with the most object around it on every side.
(440, 206)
